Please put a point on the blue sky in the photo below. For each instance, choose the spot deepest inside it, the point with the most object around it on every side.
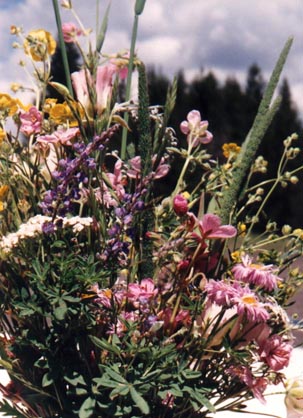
(226, 36)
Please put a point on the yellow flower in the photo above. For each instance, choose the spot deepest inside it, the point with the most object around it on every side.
(241, 228)
(49, 104)
(298, 233)
(3, 192)
(15, 87)
(8, 105)
(61, 113)
(38, 44)
(2, 134)
(230, 149)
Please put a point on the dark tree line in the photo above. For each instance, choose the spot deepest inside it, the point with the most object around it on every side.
(230, 109)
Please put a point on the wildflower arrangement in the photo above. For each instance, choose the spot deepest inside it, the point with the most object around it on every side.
(118, 300)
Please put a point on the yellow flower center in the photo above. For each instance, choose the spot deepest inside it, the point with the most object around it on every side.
(249, 300)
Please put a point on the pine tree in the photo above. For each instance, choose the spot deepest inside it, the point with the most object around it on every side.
(57, 70)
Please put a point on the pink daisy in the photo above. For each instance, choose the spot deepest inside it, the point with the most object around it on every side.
(247, 303)
(220, 292)
(256, 274)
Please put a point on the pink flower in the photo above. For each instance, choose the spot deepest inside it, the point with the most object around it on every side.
(143, 292)
(80, 80)
(257, 274)
(248, 304)
(221, 292)
(275, 352)
(83, 83)
(210, 228)
(104, 86)
(61, 135)
(118, 179)
(135, 168)
(180, 205)
(31, 121)
(195, 129)
(257, 385)
(183, 318)
(70, 32)
(120, 326)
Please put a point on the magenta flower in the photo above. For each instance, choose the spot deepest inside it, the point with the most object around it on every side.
(195, 129)
(70, 32)
(31, 121)
(275, 352)
(211, 228)
(180, 205)
(257, 274)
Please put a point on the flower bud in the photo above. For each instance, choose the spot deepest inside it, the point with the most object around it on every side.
(294, 398)
(180, 205)
(139, 6)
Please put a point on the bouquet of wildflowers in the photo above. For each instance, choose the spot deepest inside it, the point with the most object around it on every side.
(118, 300)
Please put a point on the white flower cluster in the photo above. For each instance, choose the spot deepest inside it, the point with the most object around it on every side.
(33, 227)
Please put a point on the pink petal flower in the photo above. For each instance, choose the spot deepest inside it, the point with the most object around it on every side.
(80, 80)
(31, 121)
(196, 129)
(257, 274)
(70, 32)
(275, 352)
(210, 227)
(104, 86)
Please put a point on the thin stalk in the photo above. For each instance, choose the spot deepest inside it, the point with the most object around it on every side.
(128, 82)
(63, 48)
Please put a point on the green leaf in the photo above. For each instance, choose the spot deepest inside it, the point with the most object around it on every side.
(47, 380)
(120, 390)
(139, 401)
(76, 379)
(105, 345)
(87, 408)
(60, 312)
(103, 29)
(115, 376)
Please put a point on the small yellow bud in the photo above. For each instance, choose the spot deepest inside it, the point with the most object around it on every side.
(294, 179)
(286, 229)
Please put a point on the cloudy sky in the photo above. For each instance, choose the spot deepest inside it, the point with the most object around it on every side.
(226, 36)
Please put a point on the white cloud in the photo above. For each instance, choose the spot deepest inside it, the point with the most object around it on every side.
(228, 35)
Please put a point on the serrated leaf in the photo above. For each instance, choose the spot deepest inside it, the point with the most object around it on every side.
(139, 401)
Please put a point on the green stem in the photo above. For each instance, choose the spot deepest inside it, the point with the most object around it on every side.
(63, 48)
(129, 81)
